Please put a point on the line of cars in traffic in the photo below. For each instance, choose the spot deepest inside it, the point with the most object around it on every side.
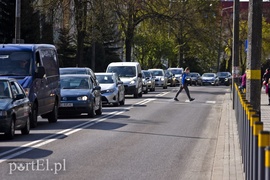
(34, 85)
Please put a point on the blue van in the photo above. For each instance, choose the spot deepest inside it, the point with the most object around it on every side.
(36, 68)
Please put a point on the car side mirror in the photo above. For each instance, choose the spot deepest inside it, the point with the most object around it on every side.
(40, 72)
(98, 88)
(19, 96)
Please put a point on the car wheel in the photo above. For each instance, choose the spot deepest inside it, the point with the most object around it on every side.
(116, 103)
(136, 95)
(26, 128)
(33, 117)
(11, 132)
(123, 101)
(154, 89)
(140, 94)
(146, 91)
(91, 111)
(52, 116)
(99, 111)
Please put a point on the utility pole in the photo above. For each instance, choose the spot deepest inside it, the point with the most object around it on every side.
(254, 54)
(17, 38)
(235, 54)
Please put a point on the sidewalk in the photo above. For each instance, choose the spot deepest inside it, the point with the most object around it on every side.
(227, 160)
(265, 111)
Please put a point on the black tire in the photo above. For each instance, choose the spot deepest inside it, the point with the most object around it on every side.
(116, 103)
(140, 94)
(91, 111)
(146, 91)
(26, 128)
(99, 111)
(123, 101)
(136, 94)
(34, 116)
(52, 116)
(11, 132)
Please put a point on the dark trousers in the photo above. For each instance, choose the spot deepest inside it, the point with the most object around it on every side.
(181, 88)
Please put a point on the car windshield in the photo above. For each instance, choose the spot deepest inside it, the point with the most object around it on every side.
(123, 71)
(75, 82)
(176, 71)
(4, 90)
(105, 79)
(15, 63)
(208, 75)
(146, 74)
(223, 74)
(157, 73)
(72, 71)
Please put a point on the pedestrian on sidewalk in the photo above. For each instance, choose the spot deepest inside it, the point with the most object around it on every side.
(266, 82)
(243, 82)
(184, 85)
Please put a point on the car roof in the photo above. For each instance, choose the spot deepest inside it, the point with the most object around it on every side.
(123, 64)
(23, 47)
(74, 68)
(7, 79)
(155, 70)
(75, 75)
(104, 73)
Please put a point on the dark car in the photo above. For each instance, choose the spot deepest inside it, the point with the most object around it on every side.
(35, 67)
(79, 95)
(225, 78)
(15, 108)
(195, 78)
(171, 78)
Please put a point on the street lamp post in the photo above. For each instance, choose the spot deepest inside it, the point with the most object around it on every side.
(17, 37)
(220, 34)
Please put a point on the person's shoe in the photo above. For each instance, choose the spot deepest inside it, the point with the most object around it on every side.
(175, 99)
(191, 99)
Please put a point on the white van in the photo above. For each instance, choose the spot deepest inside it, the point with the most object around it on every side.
(131, 75)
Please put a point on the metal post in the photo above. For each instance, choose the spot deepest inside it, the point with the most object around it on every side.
(235, 54)
(18, 22)
(254, 54)
(257, 127)
(267, 162)
(263, 142)
(254, 118)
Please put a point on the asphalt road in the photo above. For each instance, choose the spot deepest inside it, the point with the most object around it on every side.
(149, 138)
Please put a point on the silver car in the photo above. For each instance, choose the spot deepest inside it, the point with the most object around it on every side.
(112, 88)
(160, 78)
(209, 78)
(148, 81)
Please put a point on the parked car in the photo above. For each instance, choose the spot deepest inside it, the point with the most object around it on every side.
(131, 75)
(160, 78)
(171, 78)
(209, 78)
(194, 76)
(177, 73)
(112, 88)
(148, 81)
(15, 108)
(35, 67)
(79, 95)
(225, 78)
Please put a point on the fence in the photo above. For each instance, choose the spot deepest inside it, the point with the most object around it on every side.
(254, 141)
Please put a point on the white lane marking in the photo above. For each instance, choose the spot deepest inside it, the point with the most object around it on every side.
(48, 139)
(210, 102)
(162, 94)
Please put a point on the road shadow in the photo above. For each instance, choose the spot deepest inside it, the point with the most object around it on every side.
(107, 126)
